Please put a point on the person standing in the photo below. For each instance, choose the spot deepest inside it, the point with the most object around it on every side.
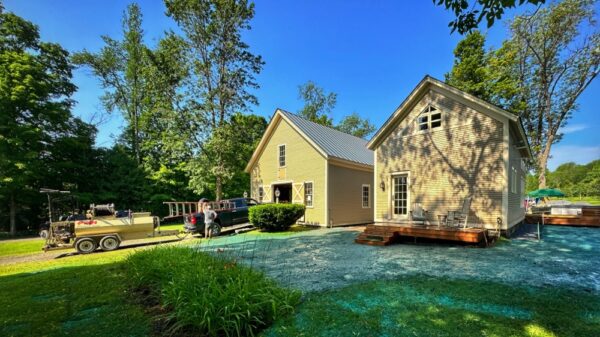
(209, 220)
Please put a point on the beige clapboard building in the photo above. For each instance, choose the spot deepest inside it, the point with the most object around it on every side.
(442, 145)
(329, 171)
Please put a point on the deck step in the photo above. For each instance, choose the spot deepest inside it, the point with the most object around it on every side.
(372, 242)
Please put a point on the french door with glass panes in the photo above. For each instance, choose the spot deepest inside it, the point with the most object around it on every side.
(400, 196)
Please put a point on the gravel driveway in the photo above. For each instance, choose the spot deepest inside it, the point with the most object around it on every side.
(328, 258)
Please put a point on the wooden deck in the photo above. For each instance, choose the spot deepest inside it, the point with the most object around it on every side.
(385, 234)
(589, 217)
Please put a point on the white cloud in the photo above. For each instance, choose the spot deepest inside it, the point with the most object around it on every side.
(572, 128)
(571, 153)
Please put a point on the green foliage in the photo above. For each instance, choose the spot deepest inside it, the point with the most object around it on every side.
(317, 104)
(275, 217)
(538, 73)
(469, 15)
(222, 73)
(119, 66)
(557, 56)
(207, 295)
(234, 142)
(353, 124)
(37, 131)
(572, 179)
(470, 71)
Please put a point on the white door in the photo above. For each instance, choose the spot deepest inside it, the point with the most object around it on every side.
(400, 196)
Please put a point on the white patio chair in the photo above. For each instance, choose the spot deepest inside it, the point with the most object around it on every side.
(418, 214)
(460, 217)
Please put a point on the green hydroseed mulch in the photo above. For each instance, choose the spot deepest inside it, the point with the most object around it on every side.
(437, 306)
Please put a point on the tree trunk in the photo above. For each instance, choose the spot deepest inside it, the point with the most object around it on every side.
(543, 162)
(13, 215)
(218, 188)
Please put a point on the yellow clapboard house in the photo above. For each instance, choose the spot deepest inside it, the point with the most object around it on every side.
(443, 145)
(331, 172)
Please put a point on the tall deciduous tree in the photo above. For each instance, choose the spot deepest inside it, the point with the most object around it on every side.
(222, 72)
(539, 73)
(318, 104)
(234, 142)
(35, 103)
(556, 56)
(120, 66)
(353, 124)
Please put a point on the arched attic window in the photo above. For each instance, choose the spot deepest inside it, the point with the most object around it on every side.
(429, 119)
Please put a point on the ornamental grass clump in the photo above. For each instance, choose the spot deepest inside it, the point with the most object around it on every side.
(275, 217)
(207, 295)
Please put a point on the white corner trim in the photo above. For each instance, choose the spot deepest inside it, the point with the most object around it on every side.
(375, 183)
(326, 193)
(506, 182)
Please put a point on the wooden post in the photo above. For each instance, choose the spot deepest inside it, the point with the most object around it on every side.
(176, 208)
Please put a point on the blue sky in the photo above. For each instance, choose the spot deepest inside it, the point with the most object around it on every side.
(371, 53)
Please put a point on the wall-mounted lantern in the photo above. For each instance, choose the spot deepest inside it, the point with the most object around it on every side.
(382, 185)
(277, 194)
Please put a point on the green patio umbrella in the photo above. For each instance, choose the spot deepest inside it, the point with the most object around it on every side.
(546, 192)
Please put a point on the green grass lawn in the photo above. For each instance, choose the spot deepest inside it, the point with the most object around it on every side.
(178, 226)
(427, 306)
(20, 247)
(592, 200)
(85, 300)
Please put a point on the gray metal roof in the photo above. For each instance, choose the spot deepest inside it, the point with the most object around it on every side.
(333, 142)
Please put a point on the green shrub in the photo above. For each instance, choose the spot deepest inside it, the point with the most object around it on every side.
(207, 295)
(275, 217)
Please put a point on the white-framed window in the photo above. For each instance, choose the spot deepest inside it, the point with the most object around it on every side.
(430, 118)
(366, 196)
(261, 193)
(281, 153)
(308, 194)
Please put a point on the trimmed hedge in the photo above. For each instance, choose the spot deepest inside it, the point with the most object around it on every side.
(275, 217)
(206, 295)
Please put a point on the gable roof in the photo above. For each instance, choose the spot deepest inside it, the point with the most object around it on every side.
(330, 142)
(429, 82)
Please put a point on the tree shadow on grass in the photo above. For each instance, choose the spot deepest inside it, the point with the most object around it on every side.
(74, 301)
